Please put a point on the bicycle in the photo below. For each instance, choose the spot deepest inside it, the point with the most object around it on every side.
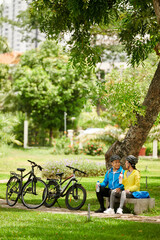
(33, 193)
(75, 195)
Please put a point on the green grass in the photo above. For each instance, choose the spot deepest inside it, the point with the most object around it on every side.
(89, 184)
(22, 224)
(12, 158)
(149, 167)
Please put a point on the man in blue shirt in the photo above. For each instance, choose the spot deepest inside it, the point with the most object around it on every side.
(111, 180)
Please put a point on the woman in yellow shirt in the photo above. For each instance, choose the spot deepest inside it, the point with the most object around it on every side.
(131, 182)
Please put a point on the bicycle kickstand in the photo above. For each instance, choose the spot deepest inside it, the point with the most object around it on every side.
(58, 203)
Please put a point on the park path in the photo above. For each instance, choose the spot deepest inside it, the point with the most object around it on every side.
(56, 210)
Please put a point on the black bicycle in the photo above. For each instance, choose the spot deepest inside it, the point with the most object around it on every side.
(33, 193)
(75, 194)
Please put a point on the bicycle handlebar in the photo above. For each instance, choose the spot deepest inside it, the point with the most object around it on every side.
(35, 165)
(76, 169)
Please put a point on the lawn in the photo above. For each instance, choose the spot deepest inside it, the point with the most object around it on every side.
(11, 158)
(22, 224)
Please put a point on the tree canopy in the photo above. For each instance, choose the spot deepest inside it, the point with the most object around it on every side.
(46, 86)
(125, 93)
(134, 21)
(137, 23)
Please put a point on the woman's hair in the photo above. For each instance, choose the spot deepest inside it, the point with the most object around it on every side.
(132, 160)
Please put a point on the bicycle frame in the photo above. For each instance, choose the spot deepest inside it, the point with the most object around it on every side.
(26, 186)
(74, 192)
(63, 190)
(21, 177)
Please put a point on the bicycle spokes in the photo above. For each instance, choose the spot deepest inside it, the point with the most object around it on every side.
(34, 193)
(75, 193)
(12, 191)
(53, 194)
(75, 197)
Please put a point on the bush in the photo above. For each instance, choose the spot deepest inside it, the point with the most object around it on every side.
(92, 169)
(72, 149)
(61, 145)
(93, 149)
(148, 149)
(7, 123)
(68, 150)
(76, 149)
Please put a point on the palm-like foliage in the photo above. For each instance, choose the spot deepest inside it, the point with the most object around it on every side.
(7, 122)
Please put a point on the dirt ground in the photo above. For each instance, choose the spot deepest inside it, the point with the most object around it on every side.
(57, 210)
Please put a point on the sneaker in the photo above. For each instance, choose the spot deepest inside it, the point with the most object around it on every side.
(100, 210)
(109, 211)
(119, 211)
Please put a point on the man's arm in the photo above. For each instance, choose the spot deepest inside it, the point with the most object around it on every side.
(105, 181)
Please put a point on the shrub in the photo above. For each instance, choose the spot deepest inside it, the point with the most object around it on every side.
(7, 123)
(92, 169)
(72, 149)
(61, 145)
(76, 149)
(148, 149)
(68, 150)
(93, 149)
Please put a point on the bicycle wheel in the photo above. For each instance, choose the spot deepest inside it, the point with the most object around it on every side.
(53, 194)
(75, 197)
(34, 193)
(12, 191)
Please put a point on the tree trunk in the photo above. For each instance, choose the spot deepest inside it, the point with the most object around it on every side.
(156, 5)
(137, 134)
(50, 136)
(99, 107)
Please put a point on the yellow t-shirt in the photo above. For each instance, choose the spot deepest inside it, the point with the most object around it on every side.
(132, 183)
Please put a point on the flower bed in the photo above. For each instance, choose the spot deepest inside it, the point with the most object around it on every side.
(91, 168)
(93, 149)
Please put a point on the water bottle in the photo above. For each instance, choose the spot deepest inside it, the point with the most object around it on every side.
(98, 186)
(120, 178)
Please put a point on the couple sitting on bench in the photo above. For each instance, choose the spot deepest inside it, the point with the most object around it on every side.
(116, 188)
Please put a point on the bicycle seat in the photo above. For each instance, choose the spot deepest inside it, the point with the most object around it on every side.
(21, 169)
(59, 174)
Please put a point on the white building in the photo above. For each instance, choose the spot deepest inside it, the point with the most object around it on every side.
(15, 38)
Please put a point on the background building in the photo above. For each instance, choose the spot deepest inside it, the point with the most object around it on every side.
(15, 38)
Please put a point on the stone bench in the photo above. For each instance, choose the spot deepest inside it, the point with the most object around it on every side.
(140, 205)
